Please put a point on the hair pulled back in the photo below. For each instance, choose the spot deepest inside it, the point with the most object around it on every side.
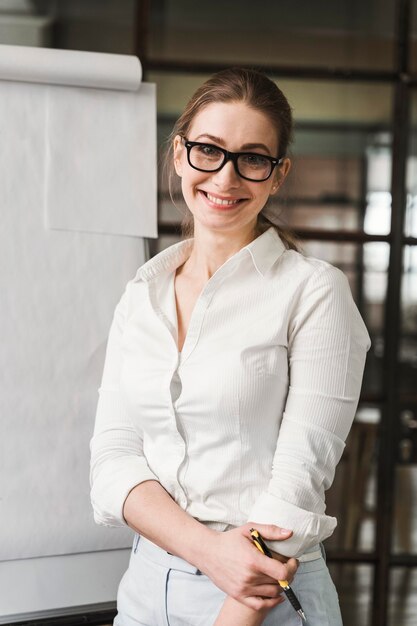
(257, 91)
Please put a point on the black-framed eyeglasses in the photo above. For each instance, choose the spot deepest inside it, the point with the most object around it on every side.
(206, 157)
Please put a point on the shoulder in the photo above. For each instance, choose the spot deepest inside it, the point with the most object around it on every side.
(305, 272)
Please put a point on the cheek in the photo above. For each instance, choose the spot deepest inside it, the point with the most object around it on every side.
(191, 179)
(185, 187)
(262, 195)
(188, 188)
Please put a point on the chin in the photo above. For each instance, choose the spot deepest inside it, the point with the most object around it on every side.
(225, 226)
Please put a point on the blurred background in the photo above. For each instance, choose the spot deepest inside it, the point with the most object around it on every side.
(349, 70)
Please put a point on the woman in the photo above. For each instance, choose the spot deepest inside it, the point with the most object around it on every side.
(232, 376)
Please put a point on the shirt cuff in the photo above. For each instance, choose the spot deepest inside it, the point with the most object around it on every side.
(308, 528)
(111, 486)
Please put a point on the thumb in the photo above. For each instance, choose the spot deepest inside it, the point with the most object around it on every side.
(270, 531)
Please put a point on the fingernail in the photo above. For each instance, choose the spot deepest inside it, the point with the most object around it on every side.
(284, 531)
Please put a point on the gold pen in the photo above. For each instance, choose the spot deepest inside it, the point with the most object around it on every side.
(262, 547)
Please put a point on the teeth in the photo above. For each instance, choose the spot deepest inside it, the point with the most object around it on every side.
(219, 201)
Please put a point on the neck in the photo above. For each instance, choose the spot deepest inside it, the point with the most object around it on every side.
(211, 250)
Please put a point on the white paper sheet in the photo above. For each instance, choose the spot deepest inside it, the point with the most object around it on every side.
(59, 289)
(101, 160)
(100, 134)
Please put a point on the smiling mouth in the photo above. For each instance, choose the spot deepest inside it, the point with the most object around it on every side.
(220, 201)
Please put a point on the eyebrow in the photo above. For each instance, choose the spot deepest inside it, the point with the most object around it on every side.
(246, 146)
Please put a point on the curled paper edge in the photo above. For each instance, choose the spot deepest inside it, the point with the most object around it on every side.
(70, 68)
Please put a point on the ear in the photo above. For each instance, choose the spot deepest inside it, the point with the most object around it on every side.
(281, 174)
(178, 153)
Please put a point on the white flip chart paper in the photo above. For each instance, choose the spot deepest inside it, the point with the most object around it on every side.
(101, 160)
(77, 132)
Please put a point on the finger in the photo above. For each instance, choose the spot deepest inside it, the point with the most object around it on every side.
(257, 603)
(268, 590)
(269, 531)
(262, 579)
(275, 569)
(279, 557)
(292, 566)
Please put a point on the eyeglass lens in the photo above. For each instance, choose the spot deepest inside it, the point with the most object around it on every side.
(209, 158)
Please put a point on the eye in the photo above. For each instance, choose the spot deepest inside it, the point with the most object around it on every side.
(208, 151)
(255, 161)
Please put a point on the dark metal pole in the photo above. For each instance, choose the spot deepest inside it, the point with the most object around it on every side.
(142, 18)
(390, 413)
(361, 223)
(142, 28)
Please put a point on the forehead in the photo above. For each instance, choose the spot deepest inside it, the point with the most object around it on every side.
(236, 124)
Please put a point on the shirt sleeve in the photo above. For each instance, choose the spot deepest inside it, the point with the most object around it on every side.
(327, 347)
(117, 460)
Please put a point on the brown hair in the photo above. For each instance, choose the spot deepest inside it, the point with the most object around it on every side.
(258, 92)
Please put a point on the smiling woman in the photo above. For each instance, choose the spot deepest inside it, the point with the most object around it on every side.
(232, 375)
(215, 180)
(253, 93)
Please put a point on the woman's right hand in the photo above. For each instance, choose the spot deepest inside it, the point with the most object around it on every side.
(232, 561)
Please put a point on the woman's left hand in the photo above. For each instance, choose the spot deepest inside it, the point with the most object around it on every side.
(238, 614)
(234, 564)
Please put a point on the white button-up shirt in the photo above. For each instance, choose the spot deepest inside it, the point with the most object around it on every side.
(248, 422)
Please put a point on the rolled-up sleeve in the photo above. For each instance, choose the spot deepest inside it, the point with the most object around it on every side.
(327, 346)
(117, 460)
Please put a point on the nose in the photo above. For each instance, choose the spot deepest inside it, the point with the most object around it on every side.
(227, 177)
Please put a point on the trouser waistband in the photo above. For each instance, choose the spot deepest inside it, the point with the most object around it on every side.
(159, 556)
(311, 555)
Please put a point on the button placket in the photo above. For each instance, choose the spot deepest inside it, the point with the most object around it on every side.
(191, 340)
(176, 453)
(175, 390)
(200, 310)
(166, 323)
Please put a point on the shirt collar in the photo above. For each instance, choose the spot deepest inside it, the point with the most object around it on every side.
(264, 251)
(165, 262)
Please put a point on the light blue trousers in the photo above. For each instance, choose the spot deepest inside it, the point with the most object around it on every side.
(159, 589)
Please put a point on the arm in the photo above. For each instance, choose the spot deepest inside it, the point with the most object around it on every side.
(326, 350)
(117, 460)
(238, 614)
(125, 491)
(228, 558)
